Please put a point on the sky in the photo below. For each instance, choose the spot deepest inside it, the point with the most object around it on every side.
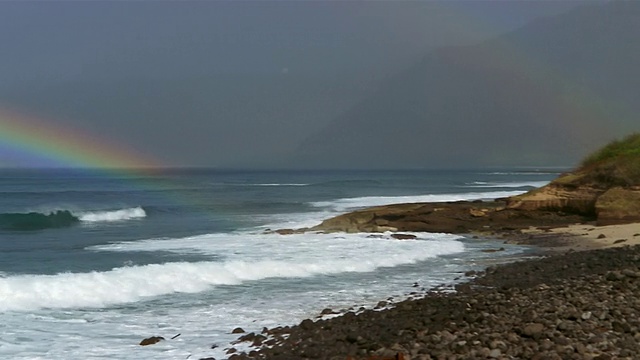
(216, 83)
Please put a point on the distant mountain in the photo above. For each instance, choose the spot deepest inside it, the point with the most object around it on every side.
(545, 94)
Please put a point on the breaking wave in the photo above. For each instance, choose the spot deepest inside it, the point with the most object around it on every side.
(484, 184)
(64, 218)
(137, 283)
(115, 215)
(347, 204)
(37, 221)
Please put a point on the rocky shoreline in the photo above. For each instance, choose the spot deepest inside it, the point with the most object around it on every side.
(460, 217)
(575, 305)
(569, 305)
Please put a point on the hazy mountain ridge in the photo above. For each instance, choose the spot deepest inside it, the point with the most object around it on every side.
(544, 94)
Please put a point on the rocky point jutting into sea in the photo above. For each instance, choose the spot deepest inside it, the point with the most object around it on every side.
(604, 189)
(569, 305)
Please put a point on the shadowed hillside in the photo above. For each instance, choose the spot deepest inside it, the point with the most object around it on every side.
(607, 184)
(544, 94)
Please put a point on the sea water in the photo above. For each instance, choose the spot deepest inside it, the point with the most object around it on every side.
(92, 262)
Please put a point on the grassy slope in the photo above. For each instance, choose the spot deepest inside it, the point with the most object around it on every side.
(616, 164)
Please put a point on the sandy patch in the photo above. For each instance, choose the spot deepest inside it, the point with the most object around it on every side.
(588, 236)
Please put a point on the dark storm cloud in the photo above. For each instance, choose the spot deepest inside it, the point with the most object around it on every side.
(224, 83)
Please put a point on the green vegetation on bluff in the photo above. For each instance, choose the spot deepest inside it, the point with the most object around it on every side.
(627, 148)
(615, 164)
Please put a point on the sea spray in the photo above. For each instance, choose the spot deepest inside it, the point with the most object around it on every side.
(115, 215)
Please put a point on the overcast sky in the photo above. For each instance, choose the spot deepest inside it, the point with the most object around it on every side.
(212, 83)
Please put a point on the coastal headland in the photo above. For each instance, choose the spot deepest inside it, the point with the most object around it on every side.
(569, 304)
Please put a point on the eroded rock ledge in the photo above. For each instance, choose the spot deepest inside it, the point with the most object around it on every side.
(604, 189)
(452, 217)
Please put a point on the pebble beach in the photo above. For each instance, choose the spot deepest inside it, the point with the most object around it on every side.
(579, 302)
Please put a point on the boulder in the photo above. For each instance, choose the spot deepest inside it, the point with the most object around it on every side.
(403, 236)
(618, 206)
(151, 340)
(557, 197)
(478, 212)
(533, 330)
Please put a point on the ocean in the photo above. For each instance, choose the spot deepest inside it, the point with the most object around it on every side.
(92, 262)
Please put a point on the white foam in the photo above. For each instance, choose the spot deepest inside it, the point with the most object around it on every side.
(520, 173)
(261, 184)
(481, 184)
(244, 258)
(114, 215)
(276, 184)
(347, 204)
(295, 221)
(258, 246)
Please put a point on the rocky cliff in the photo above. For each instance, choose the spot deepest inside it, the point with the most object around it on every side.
(606, 185)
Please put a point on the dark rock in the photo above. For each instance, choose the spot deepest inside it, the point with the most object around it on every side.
(533, 330)
(247, 338)
(404, 236)
(238, 330)
(614, 276)
(381, 304)
(602, 236)
(620, 326)
(492, 250)
(285, 231)
(374, 236)
(258, 340)
(306, 324)
(618, 206)
(151, 340)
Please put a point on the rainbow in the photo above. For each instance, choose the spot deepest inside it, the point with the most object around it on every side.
(28, 141)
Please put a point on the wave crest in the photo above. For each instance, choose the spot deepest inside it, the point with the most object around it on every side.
(37, 221)
(347, 204)
(142, 282)
(64, 218)
(115, 215)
